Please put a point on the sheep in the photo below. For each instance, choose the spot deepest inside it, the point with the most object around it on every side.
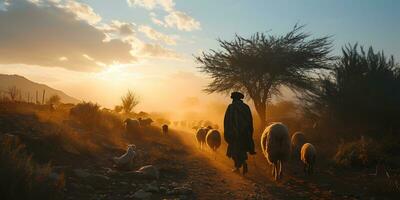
(201, 137)
(132, 125)
(165, 129)
(308, 157)
(275, 144)
(213, 139)
(127, 157)
(298, 139)
(145, 122)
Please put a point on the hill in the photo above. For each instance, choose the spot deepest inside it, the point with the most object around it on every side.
(28, 87)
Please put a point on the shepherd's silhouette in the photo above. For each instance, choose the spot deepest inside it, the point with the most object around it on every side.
(238, 132)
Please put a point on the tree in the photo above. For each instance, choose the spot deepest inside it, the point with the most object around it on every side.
(117, 109)
(13, 92)
(129, 101)
(260, 65)
(54, 99)
(362, 92)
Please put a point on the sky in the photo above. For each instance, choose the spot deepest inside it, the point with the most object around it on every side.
(95, 50)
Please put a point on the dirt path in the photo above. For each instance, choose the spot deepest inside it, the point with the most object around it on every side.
(325, 184)
(187, 172)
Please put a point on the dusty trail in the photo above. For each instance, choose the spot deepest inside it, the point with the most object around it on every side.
(216, 181)
(207, 175)
(213, 177)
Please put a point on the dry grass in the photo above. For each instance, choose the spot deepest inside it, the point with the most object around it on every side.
(23, 178)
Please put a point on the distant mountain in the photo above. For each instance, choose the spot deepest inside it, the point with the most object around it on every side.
(28, 87)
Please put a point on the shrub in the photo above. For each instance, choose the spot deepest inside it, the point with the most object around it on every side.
(22, 178)
(55, 99)
(91, 117)
(86, 113)
(360, 153)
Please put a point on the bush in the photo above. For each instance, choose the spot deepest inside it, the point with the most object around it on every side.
(22, 178)
(360, 153)
(90, 116)
(86, 113)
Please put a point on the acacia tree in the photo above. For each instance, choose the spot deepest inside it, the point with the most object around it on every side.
(129, 101)
(261, 64)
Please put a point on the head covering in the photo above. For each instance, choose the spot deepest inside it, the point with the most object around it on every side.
(237, 95)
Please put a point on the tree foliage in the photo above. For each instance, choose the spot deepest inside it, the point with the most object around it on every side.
(129, 101)
(54, 99)
(261, 64)
(362, 91)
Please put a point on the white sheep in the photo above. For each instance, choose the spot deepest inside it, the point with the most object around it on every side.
(275, 144)
(298, 139)
(308, 156)
(127, 158)
(213, 139)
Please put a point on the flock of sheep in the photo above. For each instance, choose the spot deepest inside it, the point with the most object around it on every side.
(276, 144)
(277, 147)
(208, 135)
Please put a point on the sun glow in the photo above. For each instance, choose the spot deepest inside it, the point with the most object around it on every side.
(118, 73)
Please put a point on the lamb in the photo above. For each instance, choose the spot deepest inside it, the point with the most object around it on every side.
(165, 129)
(127, 158)
(275, 144)
(132, 125)
(213, 139)
(298, 139)
(201, 137)
(308, 156)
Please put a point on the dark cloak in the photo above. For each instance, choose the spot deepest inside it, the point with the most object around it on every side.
(238, 130)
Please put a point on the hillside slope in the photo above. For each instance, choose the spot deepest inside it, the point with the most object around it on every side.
(29, 87)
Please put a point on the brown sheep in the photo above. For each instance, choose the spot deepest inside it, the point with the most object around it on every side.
(308, 156)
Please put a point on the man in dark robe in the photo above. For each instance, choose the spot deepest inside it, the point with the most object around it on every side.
(238, 132)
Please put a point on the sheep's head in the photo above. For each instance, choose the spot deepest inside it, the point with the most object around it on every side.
(131, 147)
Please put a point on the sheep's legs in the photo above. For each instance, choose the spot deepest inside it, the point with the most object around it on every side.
(273, 170)
(280, 169)
(276, 171)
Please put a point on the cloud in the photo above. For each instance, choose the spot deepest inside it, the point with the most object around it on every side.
(167, 5)
(174, 18)
(81, 11)
(155, 50)
(182, 21)
(157, 36)
(70, 35)
(118, 29)
(157, 21)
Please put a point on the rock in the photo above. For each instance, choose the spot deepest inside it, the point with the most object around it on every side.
(133, 184)
(148, 171)
(180, 191)
(152, 187)
(174, 184)
(123, 183)
(54, 176)
(81, 173)
(141, 194)
(70, 149)
(99, 177)
(88, 187)
(163, 189)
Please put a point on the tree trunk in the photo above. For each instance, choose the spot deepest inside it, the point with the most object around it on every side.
(261, 111)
